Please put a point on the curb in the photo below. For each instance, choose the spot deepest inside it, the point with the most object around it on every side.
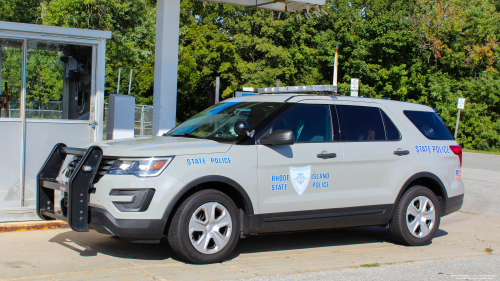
(32, 225)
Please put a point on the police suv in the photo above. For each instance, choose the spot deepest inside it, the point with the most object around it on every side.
(283, 160)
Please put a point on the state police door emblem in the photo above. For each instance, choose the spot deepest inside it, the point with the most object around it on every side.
(300, 176)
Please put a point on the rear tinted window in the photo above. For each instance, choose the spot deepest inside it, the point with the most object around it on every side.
(361, 123)
(429, 124)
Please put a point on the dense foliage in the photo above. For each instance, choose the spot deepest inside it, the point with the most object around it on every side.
(424, 51)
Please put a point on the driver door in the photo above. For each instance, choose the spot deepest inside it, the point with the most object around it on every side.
(299, 184)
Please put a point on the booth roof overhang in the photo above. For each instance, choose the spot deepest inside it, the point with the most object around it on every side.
(281, 6)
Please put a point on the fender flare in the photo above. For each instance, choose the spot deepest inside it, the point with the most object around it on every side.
(416, 177)
(246, 199)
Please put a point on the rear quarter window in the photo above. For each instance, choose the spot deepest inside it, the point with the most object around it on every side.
(429, 124)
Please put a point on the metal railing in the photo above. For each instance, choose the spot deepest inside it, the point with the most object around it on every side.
(37, 109)
(143, 125)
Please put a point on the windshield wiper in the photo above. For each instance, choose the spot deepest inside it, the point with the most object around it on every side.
(188, 135)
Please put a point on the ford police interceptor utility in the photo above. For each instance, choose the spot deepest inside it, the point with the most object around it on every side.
(259, 164)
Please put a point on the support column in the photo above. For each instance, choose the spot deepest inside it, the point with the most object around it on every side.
(166, 63)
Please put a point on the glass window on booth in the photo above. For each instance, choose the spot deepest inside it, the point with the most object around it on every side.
(11, 65)
(58, 81)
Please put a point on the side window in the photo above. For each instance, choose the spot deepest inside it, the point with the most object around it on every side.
(429, 124)
(390, 129)
(309, 123)
(361, 123)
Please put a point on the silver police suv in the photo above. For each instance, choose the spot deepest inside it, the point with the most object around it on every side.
(260, 164)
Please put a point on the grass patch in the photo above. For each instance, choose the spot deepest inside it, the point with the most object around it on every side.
(409, 261)
(389, 263)
(481, 151)
(371, 265)
(488, 250)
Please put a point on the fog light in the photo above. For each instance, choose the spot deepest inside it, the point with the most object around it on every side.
(141, 198)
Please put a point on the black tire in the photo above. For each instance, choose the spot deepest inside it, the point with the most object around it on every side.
(398, 228)
(179, 237)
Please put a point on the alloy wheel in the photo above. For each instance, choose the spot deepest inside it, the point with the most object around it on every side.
(210, 228)
(420, 216)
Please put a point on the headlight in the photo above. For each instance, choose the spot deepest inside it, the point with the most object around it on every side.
(141, 167)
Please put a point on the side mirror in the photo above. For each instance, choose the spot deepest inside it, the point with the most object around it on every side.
(241, 127)
(279, 137)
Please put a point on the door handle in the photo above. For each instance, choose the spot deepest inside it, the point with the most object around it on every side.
(401, 152)
(327, 155)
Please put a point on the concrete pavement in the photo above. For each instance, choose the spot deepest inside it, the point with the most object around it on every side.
(61, 254)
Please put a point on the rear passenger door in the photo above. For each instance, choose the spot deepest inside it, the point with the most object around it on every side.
(377, 160)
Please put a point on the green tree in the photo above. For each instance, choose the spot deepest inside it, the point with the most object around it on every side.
(25, 11)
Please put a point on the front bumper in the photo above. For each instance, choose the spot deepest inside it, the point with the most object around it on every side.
(130, 230)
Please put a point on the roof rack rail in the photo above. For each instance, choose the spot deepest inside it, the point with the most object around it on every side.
(299, 89)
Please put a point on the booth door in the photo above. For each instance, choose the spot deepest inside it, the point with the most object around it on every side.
(59, 81)
(10, 124)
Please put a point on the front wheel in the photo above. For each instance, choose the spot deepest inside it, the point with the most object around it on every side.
(417, 217)
(205, 227)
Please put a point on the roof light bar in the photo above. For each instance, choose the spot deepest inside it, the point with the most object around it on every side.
(298, 89)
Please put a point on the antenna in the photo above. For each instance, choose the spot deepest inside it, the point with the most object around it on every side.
(335, 67)
(130, 81)
(118, 87)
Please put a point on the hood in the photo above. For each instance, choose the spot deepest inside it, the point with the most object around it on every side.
(160, 146)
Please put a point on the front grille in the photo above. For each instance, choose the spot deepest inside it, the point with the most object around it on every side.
(104, 167)
(72, 166)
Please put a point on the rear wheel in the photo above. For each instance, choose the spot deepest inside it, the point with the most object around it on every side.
(205, 227)
(417, 217)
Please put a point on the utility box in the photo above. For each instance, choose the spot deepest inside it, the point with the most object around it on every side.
(121, 117)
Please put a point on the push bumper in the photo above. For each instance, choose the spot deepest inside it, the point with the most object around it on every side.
(76, 190)
(79, 215)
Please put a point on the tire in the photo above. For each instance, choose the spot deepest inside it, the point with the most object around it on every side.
(417, 217)
(205, 228)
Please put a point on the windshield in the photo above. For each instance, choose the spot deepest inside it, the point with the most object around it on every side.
(217, 122)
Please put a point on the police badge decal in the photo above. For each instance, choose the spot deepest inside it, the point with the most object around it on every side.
(300, 178)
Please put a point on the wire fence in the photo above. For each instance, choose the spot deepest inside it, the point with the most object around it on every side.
(143, 125)
(143, 121)
(38, 110)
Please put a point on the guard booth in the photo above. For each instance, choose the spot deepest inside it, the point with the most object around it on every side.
(52, 91)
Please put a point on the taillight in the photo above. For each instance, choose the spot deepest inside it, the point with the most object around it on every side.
(457, 149)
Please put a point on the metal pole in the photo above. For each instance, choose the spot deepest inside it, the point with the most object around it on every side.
(217, 82)
(118, 87)
(1, 66)
(130, 81)
(142, 121)
(100, 107)
(458, 121)
(22, 112)
(277, 82)
(7, 102)
(335, 68)
(166, 64)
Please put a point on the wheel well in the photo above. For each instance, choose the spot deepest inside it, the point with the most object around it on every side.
(225, 188)
(434, 186)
